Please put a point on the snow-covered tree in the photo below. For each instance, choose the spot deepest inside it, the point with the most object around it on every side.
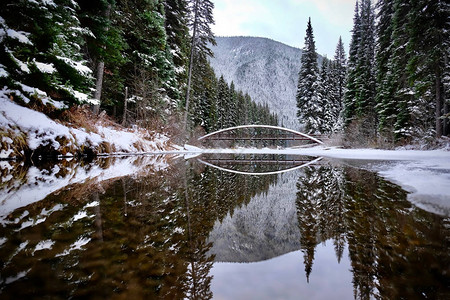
(340, 72)
(428, 51)
(351, 91)
(325, 103)
(200, 21)
(361, 83)
(308, 107)
(40, 54)
(384, 98)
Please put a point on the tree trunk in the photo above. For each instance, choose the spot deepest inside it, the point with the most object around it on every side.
(100, 71)
(438, 112)
(98, 86)
(124, 118)
(446, 120)
(191, 62)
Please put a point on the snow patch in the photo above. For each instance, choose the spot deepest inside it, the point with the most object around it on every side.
(21, 36)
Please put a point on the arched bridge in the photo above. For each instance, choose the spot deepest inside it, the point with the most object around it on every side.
(289, 134)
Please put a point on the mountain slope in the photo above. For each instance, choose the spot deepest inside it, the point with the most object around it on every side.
(267, 70)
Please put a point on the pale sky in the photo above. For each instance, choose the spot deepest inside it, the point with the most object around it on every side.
(285, 21)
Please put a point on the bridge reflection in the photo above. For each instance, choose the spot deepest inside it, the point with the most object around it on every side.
(258, 164)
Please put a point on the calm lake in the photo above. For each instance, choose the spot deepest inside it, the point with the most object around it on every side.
(215, 226)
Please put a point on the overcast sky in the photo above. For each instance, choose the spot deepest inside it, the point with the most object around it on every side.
(285, 21)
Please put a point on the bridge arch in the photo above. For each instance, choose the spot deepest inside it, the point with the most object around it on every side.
(262, 126)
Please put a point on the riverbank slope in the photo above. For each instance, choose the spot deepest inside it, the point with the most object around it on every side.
(27, 133)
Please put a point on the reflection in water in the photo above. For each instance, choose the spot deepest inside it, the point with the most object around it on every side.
(396, 250)
(142, 236)
(152, 228)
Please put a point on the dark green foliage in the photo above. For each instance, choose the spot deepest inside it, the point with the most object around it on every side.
(39, 51)
(412, 60)
(308, 106)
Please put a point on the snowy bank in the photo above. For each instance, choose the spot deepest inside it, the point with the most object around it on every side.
(24, 132)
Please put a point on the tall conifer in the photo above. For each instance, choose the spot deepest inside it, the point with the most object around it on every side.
(307, 97)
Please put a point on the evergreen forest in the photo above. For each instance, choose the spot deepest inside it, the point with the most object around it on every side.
(146, 63)
(143, 62)
(394, 88)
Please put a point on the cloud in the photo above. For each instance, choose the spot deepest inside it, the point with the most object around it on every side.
(285, 20)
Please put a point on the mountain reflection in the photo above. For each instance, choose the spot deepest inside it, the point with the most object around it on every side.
(156, 234)
(397, 251)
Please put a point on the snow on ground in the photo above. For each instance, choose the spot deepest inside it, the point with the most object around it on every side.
(424, 174)
(41, 131)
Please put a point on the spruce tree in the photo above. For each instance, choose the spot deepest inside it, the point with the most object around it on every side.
(398, 87)
(361, 83)
(222, 98)
(307, 98)
(338, 77)
(365, 97)
(385, 49)
(428, 46)
(340, 72)
(200, 21)
(177, 31)
(324, 119)
(39, 52)
(351, 91)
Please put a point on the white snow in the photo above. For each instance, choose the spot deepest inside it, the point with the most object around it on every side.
(77, 65)
(21, 36)
(47, 244)
(41, 130)
(3, 72)
(78, 245)
(44, 68)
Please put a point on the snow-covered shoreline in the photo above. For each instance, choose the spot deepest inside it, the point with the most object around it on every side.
(23, 129)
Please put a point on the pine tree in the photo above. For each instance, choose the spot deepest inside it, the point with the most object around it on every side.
(351, 91)
(398, 86)
(361, 83)
(231, 107)
(307, 98)
(337, 77)
(105, 49)
(365, 98)
(204, 108)
(340, 73)
(385, 104)
(428, 46)
(222, 97)
(177, 31)
(324, 92)
(200, 21)
(39, 52)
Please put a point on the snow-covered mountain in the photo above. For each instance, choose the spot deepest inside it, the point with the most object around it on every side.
(267, 70)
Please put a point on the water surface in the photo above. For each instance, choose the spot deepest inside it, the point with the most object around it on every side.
(162, 227)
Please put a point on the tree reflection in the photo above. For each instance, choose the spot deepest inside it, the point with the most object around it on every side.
(139, 237)
(397, 251)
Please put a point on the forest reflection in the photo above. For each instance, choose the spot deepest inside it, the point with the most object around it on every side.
(147, 236)
(396, 250)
